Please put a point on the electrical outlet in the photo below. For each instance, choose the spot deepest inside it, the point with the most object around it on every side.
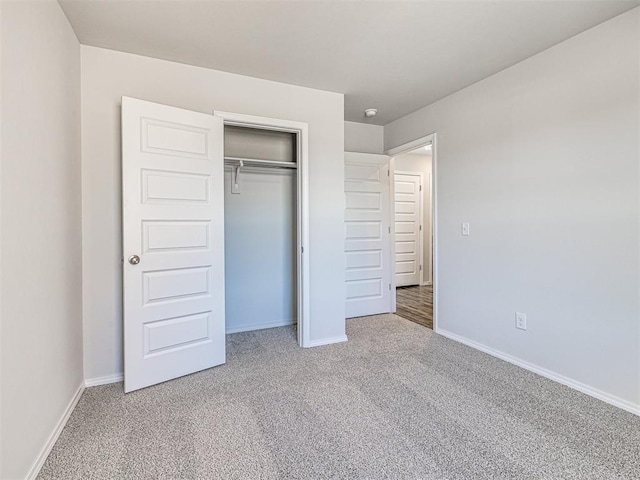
(465, 229)
(521, 321)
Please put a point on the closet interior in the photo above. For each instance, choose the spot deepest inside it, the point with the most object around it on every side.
(260, 221)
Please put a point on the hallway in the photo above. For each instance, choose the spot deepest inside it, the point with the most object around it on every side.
(415, 303)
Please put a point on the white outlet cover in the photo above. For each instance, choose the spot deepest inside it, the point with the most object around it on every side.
(521, 321)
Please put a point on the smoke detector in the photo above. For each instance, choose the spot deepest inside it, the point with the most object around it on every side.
(370, 112)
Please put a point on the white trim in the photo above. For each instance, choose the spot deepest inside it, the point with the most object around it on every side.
(262, 326)
(434, 229)
(301, 130)
(327, 341)
(412, 145)
(94, 382)
(51, 441)
(255, 121)
(420, 175)
(392, 224)
(556, 377)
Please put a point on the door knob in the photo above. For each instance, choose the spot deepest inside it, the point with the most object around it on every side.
(134, 259)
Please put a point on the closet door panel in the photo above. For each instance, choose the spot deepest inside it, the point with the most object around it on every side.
(407, 227)
(173, 242)
(367, 236)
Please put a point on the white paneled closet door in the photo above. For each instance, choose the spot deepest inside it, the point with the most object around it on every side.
(173, 242)
(368, 234)
(408, 219)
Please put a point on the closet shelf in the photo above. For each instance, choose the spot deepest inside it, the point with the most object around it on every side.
(259, 162)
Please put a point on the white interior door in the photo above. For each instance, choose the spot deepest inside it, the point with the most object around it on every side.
(173, 242)
(408, 219)
(368, 234)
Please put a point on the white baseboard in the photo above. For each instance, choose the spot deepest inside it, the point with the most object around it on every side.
(51, 441)
(261, 326)
(94, 382)
(326, 341)
(556, 377)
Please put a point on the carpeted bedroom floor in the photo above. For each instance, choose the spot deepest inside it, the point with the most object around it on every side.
(396, 401)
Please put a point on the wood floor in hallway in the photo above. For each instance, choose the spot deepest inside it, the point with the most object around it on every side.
(416, 304)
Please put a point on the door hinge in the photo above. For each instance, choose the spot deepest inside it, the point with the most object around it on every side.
(389, 287)
(420, 227)
(420, 187)
(389, 229)
(420, 267)
(387, 173)
(301, 249)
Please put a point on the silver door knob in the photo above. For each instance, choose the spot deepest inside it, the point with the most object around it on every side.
(134, 259)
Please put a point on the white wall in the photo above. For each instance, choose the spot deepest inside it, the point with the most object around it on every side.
(263, 144)
(363, 137)
(421, 163)
(543, 160)
(41, 229)
(260, 249)
(260, 232)
(106, 76)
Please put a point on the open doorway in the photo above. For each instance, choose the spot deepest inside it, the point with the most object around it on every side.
(266, 224)
(412, 206)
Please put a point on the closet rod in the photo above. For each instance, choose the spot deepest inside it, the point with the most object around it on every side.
(266, 163)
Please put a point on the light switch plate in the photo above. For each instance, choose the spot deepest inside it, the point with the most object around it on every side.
(465, 229)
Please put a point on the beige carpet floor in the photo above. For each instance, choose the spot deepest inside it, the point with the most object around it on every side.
(394, 402)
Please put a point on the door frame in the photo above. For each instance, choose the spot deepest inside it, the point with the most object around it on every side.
(420, 216)
(404, 148)
(301, 130)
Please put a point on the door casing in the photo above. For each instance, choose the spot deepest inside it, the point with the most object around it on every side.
(301, 131)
